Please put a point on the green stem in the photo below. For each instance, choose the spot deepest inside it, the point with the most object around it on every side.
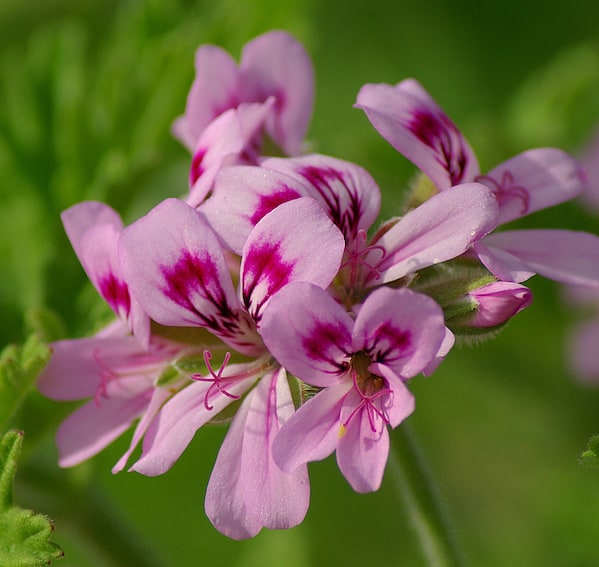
(428, 516)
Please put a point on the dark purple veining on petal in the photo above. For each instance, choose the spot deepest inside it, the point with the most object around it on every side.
(440, 134)
(264, 265)
(116, 293)
(197, 169)
(327, 342)
(198, 275)
(387, 343)
(340, 196)
(271, 201)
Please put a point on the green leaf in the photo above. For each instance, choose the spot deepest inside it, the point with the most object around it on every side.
(24, 535)
(19, 368)
(45, 323)
(590, 457)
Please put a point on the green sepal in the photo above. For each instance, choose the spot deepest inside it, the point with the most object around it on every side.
(448, 283)
(295, 387)
(19, 368)
(191, 364)
(590, 457)
(472, 336)
(168, 377)
(24, 535)
(422, 189)
(227, 414)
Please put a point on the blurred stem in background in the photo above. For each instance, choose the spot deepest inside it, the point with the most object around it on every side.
(422, 501)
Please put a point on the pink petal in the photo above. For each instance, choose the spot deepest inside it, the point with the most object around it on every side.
(159, 396)
(99, 256)
(362, 453)
(399, 328)
(583, 352)
(309, 333)
(313, 431)
(95, 425)
(247, 491)
(345, 190)
(177, 422)
(440, 229)
(79, 218)
(94, 230)
(561, 255)
(79, 367)
(444, 349)
(590, 161)
(275, 63)
(214, 90)
(229, 139)
(295, 242)
(175, 268)
(416, 126)
(503, 265)
(242, 196)
(534, 180)
(401, 401)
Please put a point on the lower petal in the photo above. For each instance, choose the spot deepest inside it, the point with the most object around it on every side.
(95, 425)
(247, 491)
(362, 454)
(312, 432)
(174, 427)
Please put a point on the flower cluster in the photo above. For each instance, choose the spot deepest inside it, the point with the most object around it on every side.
(268, 299)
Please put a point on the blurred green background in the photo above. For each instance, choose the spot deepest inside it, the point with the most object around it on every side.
(88, 90)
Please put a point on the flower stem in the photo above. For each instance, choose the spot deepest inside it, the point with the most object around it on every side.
(426, 511)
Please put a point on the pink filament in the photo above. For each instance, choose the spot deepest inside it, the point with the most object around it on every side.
(356, 257)
(368, 403)
(216, 378)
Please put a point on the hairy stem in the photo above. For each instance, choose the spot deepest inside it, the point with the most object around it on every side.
(416, 488)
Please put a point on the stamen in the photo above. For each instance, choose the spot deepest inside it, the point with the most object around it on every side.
(216, 378)
(106, 375)
(367, 402)
(356, 257)
(505, 190)
(130, 367)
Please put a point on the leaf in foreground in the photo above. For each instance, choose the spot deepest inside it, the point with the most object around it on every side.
(24, 535)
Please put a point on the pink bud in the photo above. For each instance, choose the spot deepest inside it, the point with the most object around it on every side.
(497, 302)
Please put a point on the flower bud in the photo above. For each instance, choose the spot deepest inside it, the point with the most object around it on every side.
(491, 305)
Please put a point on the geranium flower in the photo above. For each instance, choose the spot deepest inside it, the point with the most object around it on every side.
(174, 265)
(361, 365)
(442, 228)
(414, 124)
(272, 65)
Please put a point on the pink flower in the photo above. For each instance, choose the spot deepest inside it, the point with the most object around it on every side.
(440, 229)
(361, 366)
(174, 265)
(119, 378)
(412, 122)
(94, 230)
(272, 65)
